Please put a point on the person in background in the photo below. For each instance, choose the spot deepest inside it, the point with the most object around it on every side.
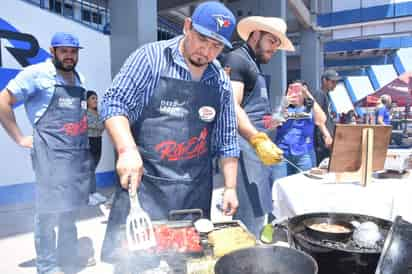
(262, 37)
(329, 80)
(55, 102)
(383, 110)
(94, 130)
(295, 136)
(350, 117)
(169, 110)
(309, 105)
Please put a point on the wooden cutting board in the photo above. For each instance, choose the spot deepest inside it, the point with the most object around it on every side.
(347, 147)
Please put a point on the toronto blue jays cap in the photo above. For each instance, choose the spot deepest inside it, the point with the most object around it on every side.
(214, 20)
(63, 39)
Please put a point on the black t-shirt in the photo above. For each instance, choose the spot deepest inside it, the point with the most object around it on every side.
(323, 101)
(242, 68)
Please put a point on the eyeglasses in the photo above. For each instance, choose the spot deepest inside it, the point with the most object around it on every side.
(278, 42)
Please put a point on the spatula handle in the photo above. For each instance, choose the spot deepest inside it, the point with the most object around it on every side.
(134, 201)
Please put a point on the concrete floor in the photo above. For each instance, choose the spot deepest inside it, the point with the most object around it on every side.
(17, 244)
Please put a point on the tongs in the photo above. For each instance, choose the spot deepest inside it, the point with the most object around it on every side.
(309, 175)
(139, 228)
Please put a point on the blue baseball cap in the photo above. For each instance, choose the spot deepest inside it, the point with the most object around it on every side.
(214, 20)
(63, 39)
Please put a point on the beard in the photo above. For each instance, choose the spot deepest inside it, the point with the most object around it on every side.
(61, 66)
(197, 62)
(260, 53)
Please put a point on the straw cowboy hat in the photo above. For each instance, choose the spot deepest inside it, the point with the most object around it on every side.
(273, 25)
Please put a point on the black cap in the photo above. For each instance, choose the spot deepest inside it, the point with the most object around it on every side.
(331, 74)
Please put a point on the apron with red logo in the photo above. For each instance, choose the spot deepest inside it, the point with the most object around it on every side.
(174, 140)
(173, 135)
(60, 154)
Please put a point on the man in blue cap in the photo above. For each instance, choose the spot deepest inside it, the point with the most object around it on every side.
(54, 99)
(169, 109)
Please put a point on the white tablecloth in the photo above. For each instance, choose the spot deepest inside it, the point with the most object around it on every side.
(383, 198)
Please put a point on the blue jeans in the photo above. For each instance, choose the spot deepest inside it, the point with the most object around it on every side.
(252, 218)
(48, 253)
(313, 156)
(253, 189)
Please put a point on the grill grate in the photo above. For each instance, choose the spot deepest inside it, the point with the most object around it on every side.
(176, 261)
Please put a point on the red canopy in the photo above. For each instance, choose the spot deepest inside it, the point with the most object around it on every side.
(399, 89)
(371, 101)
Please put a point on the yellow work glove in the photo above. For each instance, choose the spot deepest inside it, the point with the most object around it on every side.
(268, 152)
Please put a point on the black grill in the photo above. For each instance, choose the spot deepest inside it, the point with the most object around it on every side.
(335, 257)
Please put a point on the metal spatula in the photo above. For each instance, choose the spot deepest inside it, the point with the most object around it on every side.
(139, 228)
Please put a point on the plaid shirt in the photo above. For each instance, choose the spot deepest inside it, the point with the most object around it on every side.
(134, 85)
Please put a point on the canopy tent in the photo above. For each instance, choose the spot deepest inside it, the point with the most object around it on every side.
(399, 89)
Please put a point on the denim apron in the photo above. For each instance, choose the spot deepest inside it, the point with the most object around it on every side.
(60, 154)
(173, 135)
(295, 136)
(254, 181)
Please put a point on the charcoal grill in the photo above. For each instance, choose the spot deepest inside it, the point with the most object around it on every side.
(337, 257)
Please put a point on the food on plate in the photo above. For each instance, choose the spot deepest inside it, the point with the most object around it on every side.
(330, 228)
(184, 239)
(229, 239)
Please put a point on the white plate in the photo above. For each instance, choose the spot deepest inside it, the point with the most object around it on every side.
(204, 225)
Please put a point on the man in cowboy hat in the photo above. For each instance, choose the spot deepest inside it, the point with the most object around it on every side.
(263, 36)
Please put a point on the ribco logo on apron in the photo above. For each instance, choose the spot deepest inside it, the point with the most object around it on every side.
(207, 114)
(173, 151)
(75, 129)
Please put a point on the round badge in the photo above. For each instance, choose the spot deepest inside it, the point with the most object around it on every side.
(207, 113)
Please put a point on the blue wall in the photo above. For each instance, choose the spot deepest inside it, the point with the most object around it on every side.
(365, 14)
(378, 43)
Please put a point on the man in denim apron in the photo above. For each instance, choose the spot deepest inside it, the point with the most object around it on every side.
(54, 99)
(168, 111)
(263, 37)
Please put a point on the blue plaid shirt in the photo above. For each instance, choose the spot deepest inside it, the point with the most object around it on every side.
(134, 85)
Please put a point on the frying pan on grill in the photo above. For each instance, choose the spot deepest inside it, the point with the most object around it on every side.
(328, 228)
